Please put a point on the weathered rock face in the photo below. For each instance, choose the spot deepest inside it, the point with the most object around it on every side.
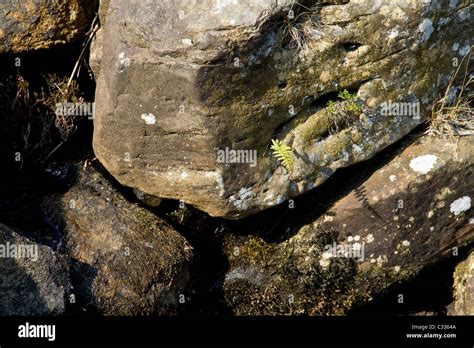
(34, 280)
(464, 288)
(126, 260)
(37, 24)
(180, 83)
(408, 214)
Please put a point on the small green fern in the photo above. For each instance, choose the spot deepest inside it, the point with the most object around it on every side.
(283, 153)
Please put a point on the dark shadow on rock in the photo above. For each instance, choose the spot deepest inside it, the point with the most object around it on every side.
(82, 277)
(18, 292)
(34, 280)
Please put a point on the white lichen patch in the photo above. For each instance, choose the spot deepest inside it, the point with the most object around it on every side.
(124, 61)
(149, 119)
(393, 33)
(453, 3)
(426, 28)
(460, 205)
(392, 178)
(464, 50)
(444, 21)
(240, 201)
(219, 181)
(369, 239)
(279, 200)
(423, 164)
(381, 260)
(325, 259)
(187, 42)
(464, 15)
(328, 218)
(356, 148)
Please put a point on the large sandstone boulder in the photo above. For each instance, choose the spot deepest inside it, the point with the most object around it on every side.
(37, 24)
(34, 280)
(180, 85)
(126, 260)
(408, 214)
(463, 288)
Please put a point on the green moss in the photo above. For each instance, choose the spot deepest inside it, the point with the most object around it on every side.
(335, 145)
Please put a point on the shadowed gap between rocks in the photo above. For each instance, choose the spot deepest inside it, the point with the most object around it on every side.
(15, 303)
(25, 183)
(428, 293)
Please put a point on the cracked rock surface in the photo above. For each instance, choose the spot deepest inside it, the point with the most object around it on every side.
(179, 83)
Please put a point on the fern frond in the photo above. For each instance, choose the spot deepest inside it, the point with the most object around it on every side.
(283, 153)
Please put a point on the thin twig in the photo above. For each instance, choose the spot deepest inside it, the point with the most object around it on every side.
(95, 27)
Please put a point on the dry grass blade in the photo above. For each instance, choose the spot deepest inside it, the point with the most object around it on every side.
(90, 36)
(453, 114)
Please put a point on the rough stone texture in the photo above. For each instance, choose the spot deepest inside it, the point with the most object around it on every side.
(37, 24)
(127, 260)
(37, 285)
(464, 288)
(403, 219)
(180, 82)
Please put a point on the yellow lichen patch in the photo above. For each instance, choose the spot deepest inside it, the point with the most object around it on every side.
(18, 16)
(256, 250)
(35, 27)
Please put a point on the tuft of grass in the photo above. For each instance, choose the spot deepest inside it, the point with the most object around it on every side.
(301, 27)
(453, 113)
(283, 153)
